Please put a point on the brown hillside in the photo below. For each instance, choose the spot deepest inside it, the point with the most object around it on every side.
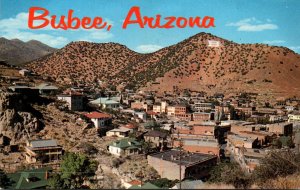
(190, 64)
(84, 62)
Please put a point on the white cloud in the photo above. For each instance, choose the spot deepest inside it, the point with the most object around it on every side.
(274, 42)
(95, 35)
(253, 25)
(148, 48)
(17, 27)
(295, 48)
(100, 35)
(20, 22)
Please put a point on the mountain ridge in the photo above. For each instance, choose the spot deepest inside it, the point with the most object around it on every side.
(191, 64)
(17, 52)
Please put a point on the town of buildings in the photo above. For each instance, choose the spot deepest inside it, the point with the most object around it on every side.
(185, 135)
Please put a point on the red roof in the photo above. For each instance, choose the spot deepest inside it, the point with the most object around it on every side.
(135, 182)
(97, 115)
(130, 126)
(151, 113)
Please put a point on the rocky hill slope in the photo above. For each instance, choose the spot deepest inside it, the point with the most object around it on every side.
(17, 121)
(191, 64)
(17, 52)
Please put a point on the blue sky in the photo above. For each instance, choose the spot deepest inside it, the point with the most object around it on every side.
(275, 22)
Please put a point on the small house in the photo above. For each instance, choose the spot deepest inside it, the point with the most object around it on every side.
(46, 88)
(118, 132)
(99, 119)
(73, 99)
(24, 72)
(29, 179)
(158, 138)
(107, 102)
(131, 127)
(43, 152)
(124, 147)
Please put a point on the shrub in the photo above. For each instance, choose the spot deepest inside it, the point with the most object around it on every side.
(277, 164)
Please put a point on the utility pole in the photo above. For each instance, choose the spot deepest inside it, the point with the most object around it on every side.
(180, 149)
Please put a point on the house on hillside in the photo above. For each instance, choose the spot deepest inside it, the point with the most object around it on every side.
(294, 117)
(118, 132)
(107, 102)
(124, 147)
(140, 105)
(24, 72)
(29, 179)
(99, 119)
(141, 115)
(25, 90)
(131, 127)
(158, 138)
(73, 99)
(45, 88)
(39, 152)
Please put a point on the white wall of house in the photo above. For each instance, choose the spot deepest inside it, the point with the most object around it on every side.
(170, 110)
(294, 117)
(111, 106)
(75, 102)
(65, 98)
(164, 107)
(115, 133)
(97, 122)
(141, 115)
(115, 150)
(156, 108)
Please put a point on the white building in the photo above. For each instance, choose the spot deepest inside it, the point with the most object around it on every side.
(126, 146)
(156, 108)
(141, 115)
(24, 72)
(99, 119)
(73, 99)
(214, 43)
(294, 117)
(107, 102)
(118, 132)
(289, 108)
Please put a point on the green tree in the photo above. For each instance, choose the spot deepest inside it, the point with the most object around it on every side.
(4, 180)
(55, 182)
(74, 169)
(164, 183)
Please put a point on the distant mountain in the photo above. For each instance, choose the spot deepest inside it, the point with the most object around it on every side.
(193, 64)
(17, 52)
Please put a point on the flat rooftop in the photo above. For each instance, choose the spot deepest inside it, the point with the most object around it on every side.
(43, 143)
(187, 158)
